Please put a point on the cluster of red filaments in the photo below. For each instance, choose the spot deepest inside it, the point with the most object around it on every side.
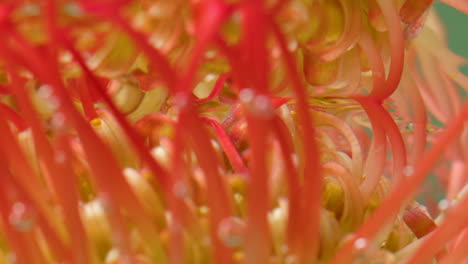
(217, 131)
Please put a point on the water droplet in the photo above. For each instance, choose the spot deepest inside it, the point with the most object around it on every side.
(258, 105)
(360, 243)
(295, 159)
(246, 95)
(215, 144)
(408, 171)
(231, 231)
(181, 190)
(203, 210)
(210, 77)
(22, 217)
(211, 54)
(158, 42)
(58, 120)
(292, 46)
(44, 91)
(238, 198)
(444, 205)
(410, 126)
(161, 155)
(105, 203)
(112, 256)
(276, 214)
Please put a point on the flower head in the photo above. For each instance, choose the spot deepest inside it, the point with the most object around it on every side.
(229, 132)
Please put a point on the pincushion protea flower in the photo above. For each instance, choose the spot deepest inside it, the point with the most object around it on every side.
(223, 131)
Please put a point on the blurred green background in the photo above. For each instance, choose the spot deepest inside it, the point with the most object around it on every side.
(456, 24)
(457, 29)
